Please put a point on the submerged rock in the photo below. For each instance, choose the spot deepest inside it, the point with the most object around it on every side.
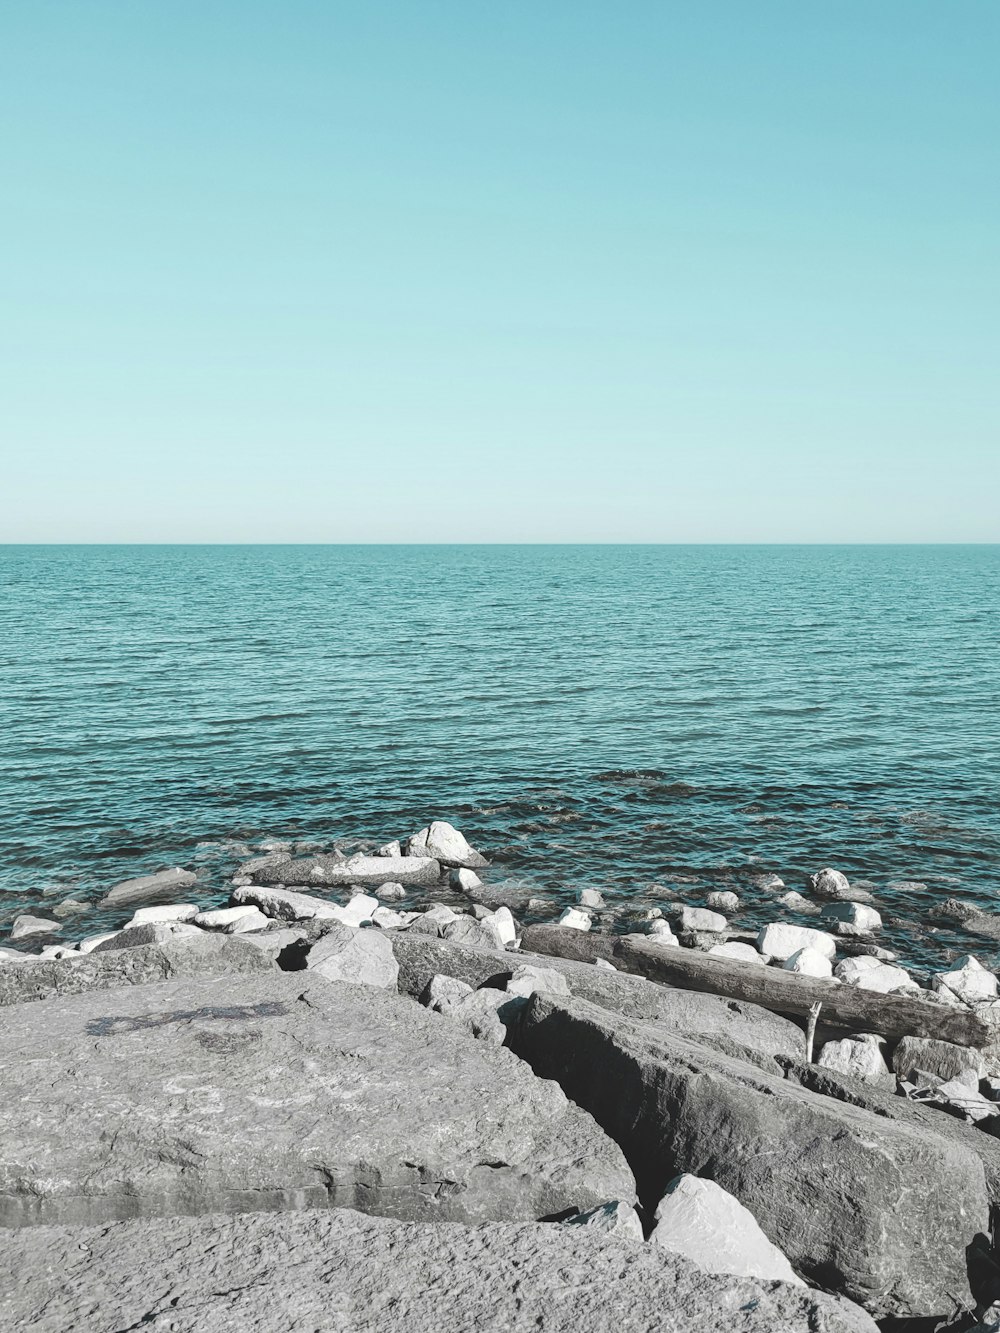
(833, 885)
(149, 888)
(26, 925)
(723, 901)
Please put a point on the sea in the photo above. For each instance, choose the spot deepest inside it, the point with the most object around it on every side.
(620, 717)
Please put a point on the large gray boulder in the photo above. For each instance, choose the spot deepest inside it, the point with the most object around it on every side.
(201, 955)
(334, 870)
(744, 1031)
(160, 887)
(877, 1210)
(281, 1092)
(361, 957)
(336, 1271)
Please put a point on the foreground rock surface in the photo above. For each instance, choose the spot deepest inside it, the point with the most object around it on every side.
(340, 1272)
(880, 1211)
(281, 1092)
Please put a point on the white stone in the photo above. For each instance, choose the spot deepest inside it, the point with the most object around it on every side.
(441, 988)
(859, 1057)
(611, 1219)
(33, 925)
(92, 941)
(700, 918)
(441, 914)
(390, 892)
(13, 956)
(703, 1222)
(809, 963)
(830, 884)
(603, 962)
(445, 843)
(743, 953)
(356, 911)
(174, 912)
(968, 980)
(232, 920)
(503, 921)
(795, 902)
(592, 898)
(465, 880)
(856, 916)
(363, 958)
(869, 974)
(386, 919)
(59, 951)
(781, 941)
(528, 979)
(390, 849)
(661, 932)
(574, 919)
(723, 901)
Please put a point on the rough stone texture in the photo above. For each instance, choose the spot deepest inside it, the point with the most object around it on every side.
(611, 1219)
(144, 916)
(464, 880)
(574, 918)
(390, 893)
(703, 1222)
(361, 957)
(663, 933)
(341, 1272)
(592, 899)
(502, 921)
(809, 963)
(700, 918)
(852, 918)
(285, 904)
(476, 934)
(528, 979)
(959, 1099)
(721, 900)
(274, 942)
(877, 1210)
(69, 907)
(233, 920)
(859, 1057)
(744, 1031)
(154, 932)
(441, 988)
(355, 870)
(281, 1092)
(196, 956)
(149, 888)
(968, 980)
(781, 941)
(795, 902)
(26, 924)
(90, 942)
(940, 1058)
(445, 843)
(486, 1013)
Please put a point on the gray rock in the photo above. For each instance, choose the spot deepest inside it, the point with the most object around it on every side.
(476, 934)
(361, 957)
(390, 892)
(781, 941)
(284, 904)
(858, 1057)
(486, 1013)
(941, 1058)
(592, 899)
(874, 1209)
(69, 907)
(281, 1092)
(392, 849)
(197, 956)
(967, 981)
(233, 920)
(334, 870)
(465, 881)
(831, 884)
(154, 932)
(528, 979)
(337, 1271)
(279, 944)
(700, 918)
(703, 1222)
(441, 988)
(149, 888)
(26, 924)
(795, 902)
(852, 918)
(959, 1099)
(90, 942)
(723, 901)
(744, 1031)
(445, 844)
(611, 1219)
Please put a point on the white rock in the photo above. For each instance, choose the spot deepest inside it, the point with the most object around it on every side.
(444, 843)
(592, 898)
(386, 919)
(859, 918)
(33, 925)
(781, 941)
(13, 956)
(359, 909)
(611, 1219)
(869, 974)
(743, 953)
(363, 958)
(59, 951)
(860, 1057)
(174, 912)
(968, 980)
(528, 980)
(603, 962)
(92, 941)
(389, 892)
(700, 1220)
(660, 930)
(574, 919)
(232, 920)
(475, 934)
(723, 901)
(441, 913)
(809, 963)
(795, 902)
(503, 921)
(465, 880)
(441, 988)
(286, 904)
(700, 918)
(830, 884)
(390, 849)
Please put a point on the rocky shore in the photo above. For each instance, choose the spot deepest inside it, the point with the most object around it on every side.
(366, 1095)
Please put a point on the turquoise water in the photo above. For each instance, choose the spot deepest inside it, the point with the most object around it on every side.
(599, 715)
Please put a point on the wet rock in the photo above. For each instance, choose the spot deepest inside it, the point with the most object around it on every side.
(69, 907)
(726, 903)
(146, 916)
(390, 893)
(465, 880)
(476, 934)
(197, 956)
(968, 981)
(853, 917)
(592, 899)
(703, 1222)
(858, 1057)
(26, 925)
(573, 918)
(699, 918)
(875, 1209)
(233, 920)
(809, 963)
(743, 953)
(283, 1092)
(833, 885)
(868, 973)
(943, 1059)
(781, 941)
(767, 883)
(361, 957)
(610, 1219)
(446, 844)
(335, 1269)
(360, 869)
(149, 888)
(795, 902)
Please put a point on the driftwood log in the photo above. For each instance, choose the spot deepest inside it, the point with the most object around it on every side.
(849, 1007)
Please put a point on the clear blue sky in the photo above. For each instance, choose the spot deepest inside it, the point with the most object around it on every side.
(300, 270)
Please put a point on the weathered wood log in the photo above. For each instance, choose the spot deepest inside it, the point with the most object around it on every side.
(848, 1007)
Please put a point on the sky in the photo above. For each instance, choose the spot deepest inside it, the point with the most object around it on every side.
(450, 271)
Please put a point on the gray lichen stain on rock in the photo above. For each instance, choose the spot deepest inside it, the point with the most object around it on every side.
(115, 1027)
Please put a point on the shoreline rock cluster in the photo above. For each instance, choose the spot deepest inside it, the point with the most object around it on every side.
(767, 1130)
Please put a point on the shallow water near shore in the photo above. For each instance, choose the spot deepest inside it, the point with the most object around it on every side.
(609, 716)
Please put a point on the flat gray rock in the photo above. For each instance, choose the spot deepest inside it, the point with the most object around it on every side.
(877, 1210)
(280, 1092)
(200, 955)
(149, 888)
(321, 870)
(732, 1027)
(339, 1272)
